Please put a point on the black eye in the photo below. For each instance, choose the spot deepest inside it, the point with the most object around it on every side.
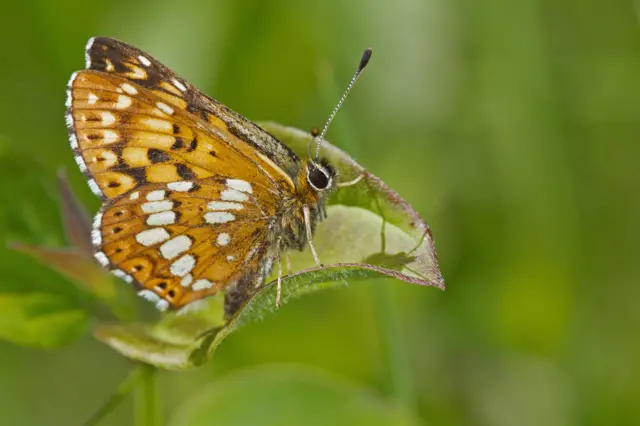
(318, 178)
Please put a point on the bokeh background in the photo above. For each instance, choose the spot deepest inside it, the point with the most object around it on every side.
(512, 127)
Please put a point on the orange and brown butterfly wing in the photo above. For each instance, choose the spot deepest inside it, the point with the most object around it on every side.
(115, 57)
(178, 244)
(123, 136)
(187, 205)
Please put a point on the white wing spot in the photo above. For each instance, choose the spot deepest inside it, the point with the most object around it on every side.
(240, 185)
(94, 187)
(108, 118)
(186, 280)
(101, 258)
(182, 186)
(146, 62)
(87, 58)
(223, 239)
(152, 236)
(96, 237)
(129, 89)
(202, 285)
(69, 99)
(97, 220)
(149, 295)
(183, 266)
(165, 108)
(121, 274)
(162, 305)
(92, 99)
(80, 162)
(157, 195)
(138, 73)
(157, 124)
(162, 218)
(218, 217)
(224, 205)
(109, 136)
(157, 206)
(231, 258)
(73, 141)
(71, 80)
(233, 195)
(179, 85)
(123, 102)
(175, 246)
(68, 118)
(134, 195)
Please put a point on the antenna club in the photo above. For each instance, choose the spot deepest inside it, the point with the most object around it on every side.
(363, 63)
(365, 59)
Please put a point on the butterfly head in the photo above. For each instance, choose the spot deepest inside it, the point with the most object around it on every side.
(316, 181)
(321, 176)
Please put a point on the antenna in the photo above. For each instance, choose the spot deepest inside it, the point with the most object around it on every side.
(363, 63)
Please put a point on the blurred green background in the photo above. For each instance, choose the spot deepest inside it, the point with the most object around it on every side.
(511, 127)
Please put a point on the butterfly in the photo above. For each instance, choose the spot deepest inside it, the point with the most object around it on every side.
(196, 199)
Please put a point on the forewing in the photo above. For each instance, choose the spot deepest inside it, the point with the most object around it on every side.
(118, 58)
(181, 242)
(124, 136)
(158, 170)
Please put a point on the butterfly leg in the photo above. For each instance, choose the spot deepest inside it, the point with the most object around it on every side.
(279, 287)
(307, 222)
(351, 182)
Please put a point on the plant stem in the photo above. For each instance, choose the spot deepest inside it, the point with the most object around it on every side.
(146, 409)
(116, 398)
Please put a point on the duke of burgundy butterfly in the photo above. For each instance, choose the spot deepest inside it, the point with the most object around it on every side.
(196, 199)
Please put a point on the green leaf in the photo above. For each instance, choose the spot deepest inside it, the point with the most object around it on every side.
(77, 262)
(39, 320)
(75, 265)
(177, 342)
(283, 395)
(77, 225)
(370, 232)
(373, 195)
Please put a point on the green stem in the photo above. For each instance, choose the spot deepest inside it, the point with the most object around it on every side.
(146, 408)
(116, 398)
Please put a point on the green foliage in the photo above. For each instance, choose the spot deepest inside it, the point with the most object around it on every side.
(40, 320)
(371, 232)
(355, 243)
(282, 395)
(511, 126)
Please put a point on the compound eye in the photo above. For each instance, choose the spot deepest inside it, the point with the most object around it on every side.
(318, 178)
